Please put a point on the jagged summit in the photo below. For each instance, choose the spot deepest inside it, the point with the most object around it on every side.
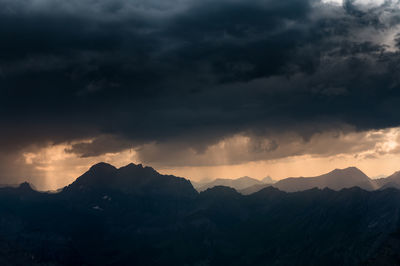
(131, 168)
(102, 166)
(26, 186)
(131, 179)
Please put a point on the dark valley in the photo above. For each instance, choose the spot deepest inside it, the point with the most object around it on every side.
(135, 216)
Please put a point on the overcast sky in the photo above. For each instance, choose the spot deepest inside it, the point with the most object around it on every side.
(198, 88)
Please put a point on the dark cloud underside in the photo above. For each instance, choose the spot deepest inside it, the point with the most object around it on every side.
(192, 72)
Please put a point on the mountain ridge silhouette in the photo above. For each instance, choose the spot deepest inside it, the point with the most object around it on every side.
(135, 216)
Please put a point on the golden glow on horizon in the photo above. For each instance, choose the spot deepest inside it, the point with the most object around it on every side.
(291, 167)
(58, 168)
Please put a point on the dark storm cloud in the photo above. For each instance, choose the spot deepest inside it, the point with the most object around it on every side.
(100, 145)
(192, 72)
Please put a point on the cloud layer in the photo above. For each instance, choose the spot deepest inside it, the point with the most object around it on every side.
(190, 74)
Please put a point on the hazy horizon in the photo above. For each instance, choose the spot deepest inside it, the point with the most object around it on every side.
(200, 180)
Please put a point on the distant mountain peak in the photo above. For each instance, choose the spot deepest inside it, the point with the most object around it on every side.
(245, 178)
(390, 181)
(348, 170)
(25, 186)
(220, 192)
(396, 174)
(268, 180)
(267, 193)
(269, 189)
(336, 179)
(238, 184)
(221, 189)
(102, 166)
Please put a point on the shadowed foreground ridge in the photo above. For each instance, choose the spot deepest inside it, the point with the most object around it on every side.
(135, 216)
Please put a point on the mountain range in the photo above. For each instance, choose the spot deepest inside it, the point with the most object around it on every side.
(337, 179)
(135, 216)
(238, 184)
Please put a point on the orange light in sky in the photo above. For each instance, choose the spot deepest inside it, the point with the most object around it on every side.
(57, 168)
